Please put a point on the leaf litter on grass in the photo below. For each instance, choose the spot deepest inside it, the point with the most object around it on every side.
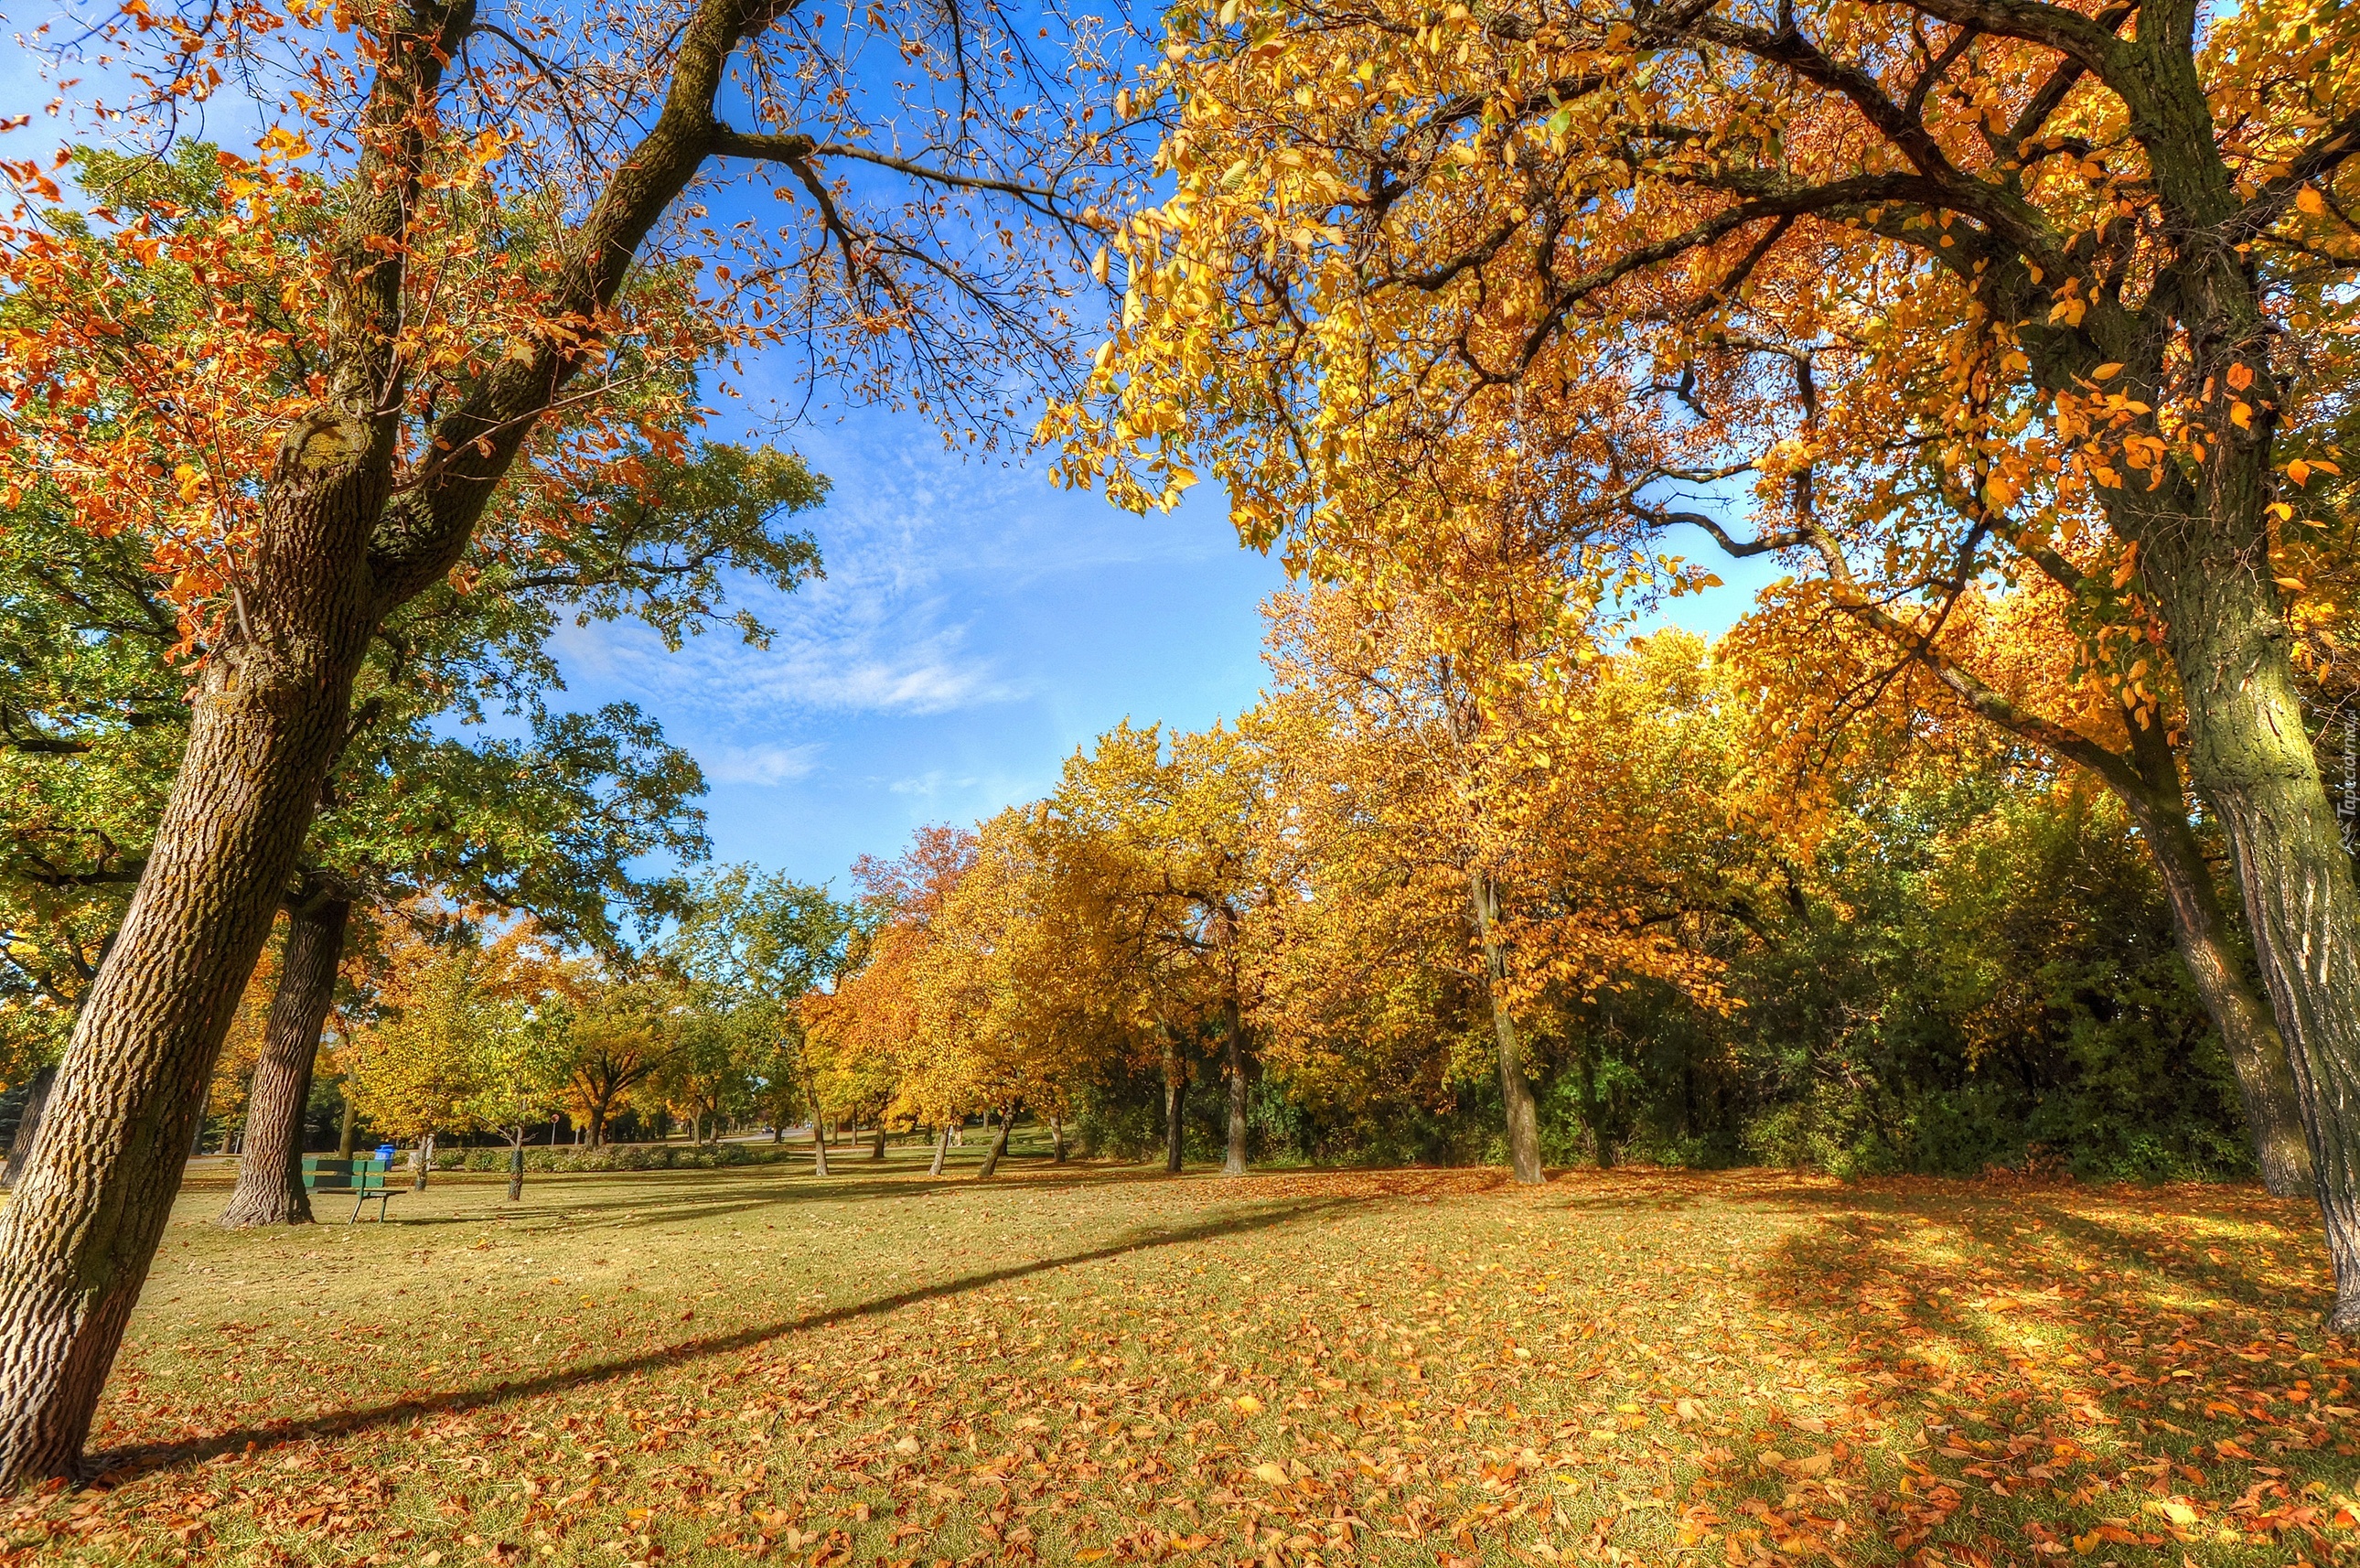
(1093, 1365)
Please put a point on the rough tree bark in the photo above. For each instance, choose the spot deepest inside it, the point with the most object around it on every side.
(2252, 761)
(270, 1165)
(1233, 1062)
(1515, 1089)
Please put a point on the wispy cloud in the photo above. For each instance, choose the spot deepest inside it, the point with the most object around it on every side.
(760, 764)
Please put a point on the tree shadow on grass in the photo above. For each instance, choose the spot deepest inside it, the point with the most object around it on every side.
(2062, 1388)
(114, 1466)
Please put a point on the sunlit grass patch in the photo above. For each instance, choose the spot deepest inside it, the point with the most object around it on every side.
(1099, 1365)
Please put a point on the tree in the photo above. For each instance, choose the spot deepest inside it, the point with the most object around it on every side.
(751, 949)
(548, 829)
(1968, 289)
(315, 514)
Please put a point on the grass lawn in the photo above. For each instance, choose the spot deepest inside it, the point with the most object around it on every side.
(1102, 1364)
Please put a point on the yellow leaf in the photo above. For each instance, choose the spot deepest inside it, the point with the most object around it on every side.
(2299, 471)
(1274, 1473)
(2241, 415)
(1089, 1555)
(2107, 371)
(1247, 1405)
(2308, 201)
(2086, 1544)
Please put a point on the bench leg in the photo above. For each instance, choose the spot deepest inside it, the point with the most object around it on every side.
(357, 1205)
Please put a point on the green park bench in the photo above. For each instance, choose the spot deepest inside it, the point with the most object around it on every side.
(364, 1178)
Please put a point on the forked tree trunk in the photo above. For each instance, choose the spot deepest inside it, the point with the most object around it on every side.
(1233, 1162)
(998, 1146)
(1524, 1125)
(2251, 758)
(941, 1148)
(270, 1165)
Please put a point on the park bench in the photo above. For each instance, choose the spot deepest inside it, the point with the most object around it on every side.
(364, 1178)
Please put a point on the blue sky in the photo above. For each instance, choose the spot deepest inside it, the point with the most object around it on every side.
(975, 627)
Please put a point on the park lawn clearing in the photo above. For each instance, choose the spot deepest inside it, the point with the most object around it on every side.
(1086, 1364)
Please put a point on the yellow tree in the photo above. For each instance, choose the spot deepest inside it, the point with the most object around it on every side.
(1508, 788)
(1182, 872)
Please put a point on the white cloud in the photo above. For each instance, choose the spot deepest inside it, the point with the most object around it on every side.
(763, 765)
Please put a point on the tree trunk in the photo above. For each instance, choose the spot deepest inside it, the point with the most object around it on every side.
(348, 1129)
(1515, 1089)
(1057, 1139)
(271, 1167)
(941, 1148)
(2201, 932)
(516, 1168)
(1175, 1104)
(425, 1162)
(876, 1149)
(28, 1126)
(1233, 1163)
(594, 1134)
(998, 1147)
(819, 1139)
(2252, 760)
(268, 718)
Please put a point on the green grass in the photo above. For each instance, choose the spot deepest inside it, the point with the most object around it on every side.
(1091, 1363)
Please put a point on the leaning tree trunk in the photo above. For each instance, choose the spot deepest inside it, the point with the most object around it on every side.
(2251, 758)
(270, 1165)
(2257, 1055)
(1515, 1089)
(81, 1233)
(1233, 1162)
(941, 1148)
(998, 1147)
(28, 1126)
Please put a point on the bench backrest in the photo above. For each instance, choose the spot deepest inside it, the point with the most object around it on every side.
(325, 1173)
